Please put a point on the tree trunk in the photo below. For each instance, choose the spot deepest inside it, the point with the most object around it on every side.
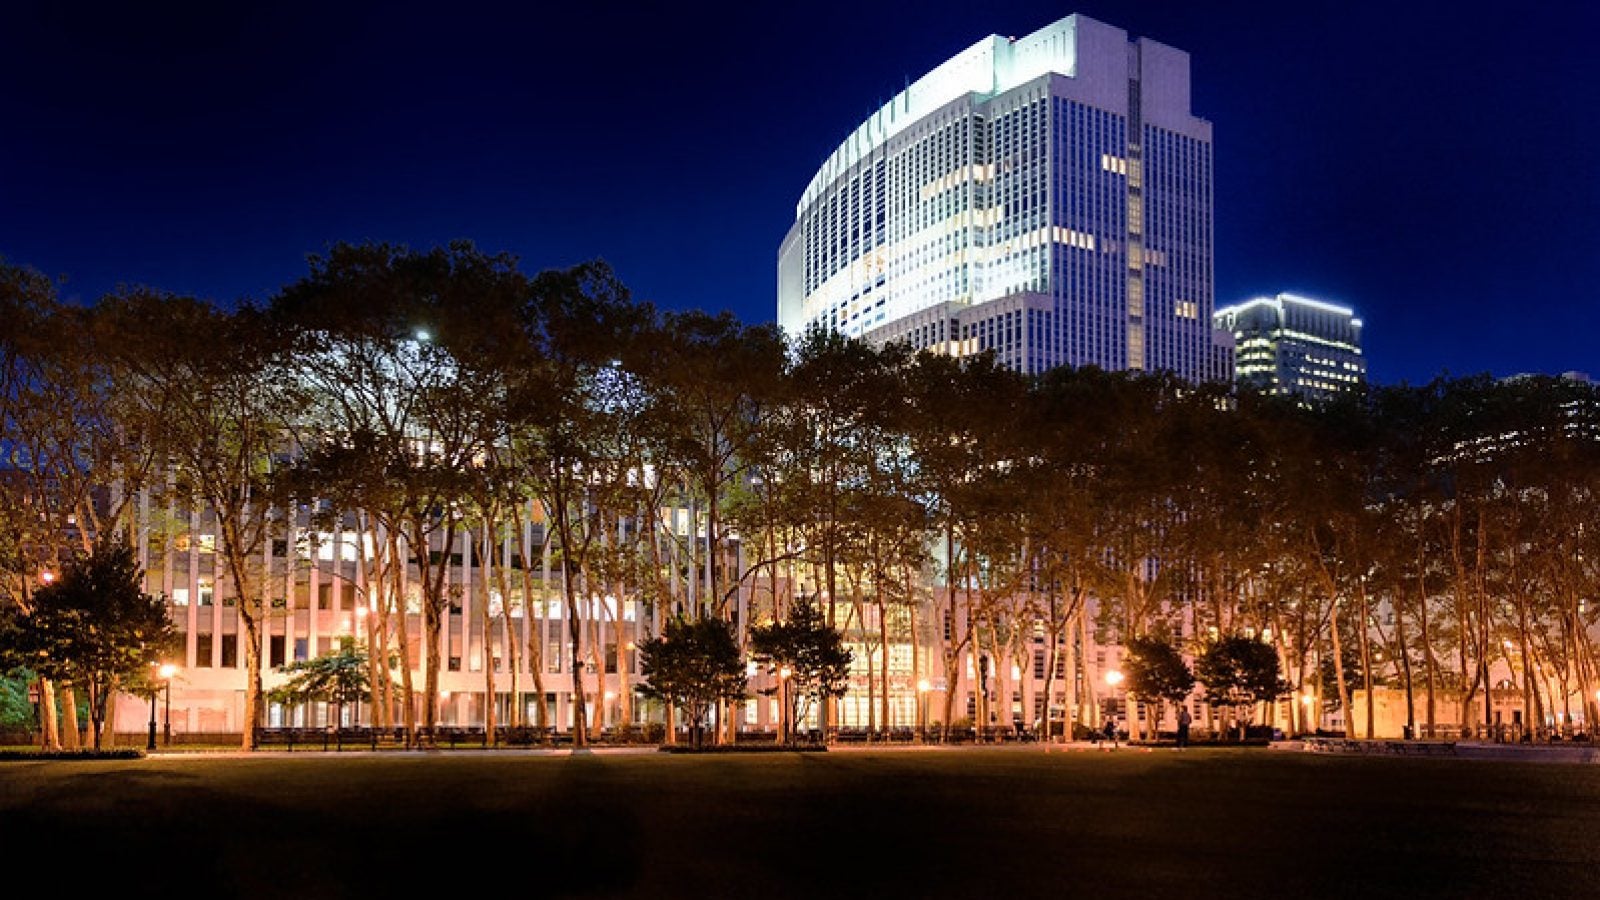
(1366, 660)
(1429, 668)
(1338, 665)
(401, 614)
(535, 643)
(71, 731)
(486, 619)
(49, 725)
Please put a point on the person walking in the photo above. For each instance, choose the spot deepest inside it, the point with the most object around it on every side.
(1183, 726)
(1110, 730)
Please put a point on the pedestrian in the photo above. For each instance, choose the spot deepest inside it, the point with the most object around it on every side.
(1110, 730)
(1183, 727)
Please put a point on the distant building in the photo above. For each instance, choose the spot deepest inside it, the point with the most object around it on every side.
(1048, 198)
(1296, 346)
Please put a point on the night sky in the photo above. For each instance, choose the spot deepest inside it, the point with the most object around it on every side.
(1436, 166)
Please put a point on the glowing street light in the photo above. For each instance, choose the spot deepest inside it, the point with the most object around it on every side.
(160, 672)
(922, 707)
(1113, 678)
(167, 670)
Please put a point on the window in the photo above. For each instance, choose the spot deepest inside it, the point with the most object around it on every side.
(202, 650)
(230, 651)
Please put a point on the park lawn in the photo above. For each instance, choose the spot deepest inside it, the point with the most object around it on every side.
(969, 823)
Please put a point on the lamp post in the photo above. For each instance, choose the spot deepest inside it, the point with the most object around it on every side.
(922, 709)
(167, 671)
(791, 728)
(154, 692)
(1114, 678)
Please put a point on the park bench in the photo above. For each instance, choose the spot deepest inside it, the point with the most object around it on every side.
(523, 735)
(288, 738)
(455, 735)
(359, 737)
(1000, 734)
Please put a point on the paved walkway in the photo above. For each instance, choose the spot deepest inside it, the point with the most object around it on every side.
(1562, 753)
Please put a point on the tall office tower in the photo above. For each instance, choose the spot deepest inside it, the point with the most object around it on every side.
(1295, 345)
(1046, 197)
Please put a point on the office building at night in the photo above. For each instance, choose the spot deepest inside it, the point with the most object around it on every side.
(1049, 198)
(1296, 346)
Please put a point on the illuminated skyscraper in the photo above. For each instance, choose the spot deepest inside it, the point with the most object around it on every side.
(1047, 197)
(1295, 345)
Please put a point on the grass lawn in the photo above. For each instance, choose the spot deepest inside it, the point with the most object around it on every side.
(969, 823)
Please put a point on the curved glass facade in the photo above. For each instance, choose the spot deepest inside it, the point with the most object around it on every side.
(1047, 197)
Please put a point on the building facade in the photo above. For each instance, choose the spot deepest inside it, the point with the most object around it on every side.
(1293, 345)
(1049, 198)
(506, 642)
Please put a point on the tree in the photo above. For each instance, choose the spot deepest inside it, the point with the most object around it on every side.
(97, 628)
(1238, 672)
(1155, 669)
(220, 422)
(814, 655)
(398, 351)
(694, 665)
(338, 678)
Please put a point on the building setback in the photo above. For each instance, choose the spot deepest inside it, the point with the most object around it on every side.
(1296, 346)
(1049, 198)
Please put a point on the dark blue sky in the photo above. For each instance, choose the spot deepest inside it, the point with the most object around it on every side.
(1436, 165)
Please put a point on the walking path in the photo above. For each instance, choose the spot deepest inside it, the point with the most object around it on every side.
(1562, 753)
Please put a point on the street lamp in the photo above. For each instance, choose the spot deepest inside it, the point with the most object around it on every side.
(787, 725)
(922, 708)
(167, 671)
(1114, 678)
(154, 691)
